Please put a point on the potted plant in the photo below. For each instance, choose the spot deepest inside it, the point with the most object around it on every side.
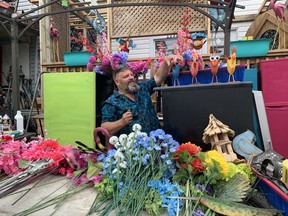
(82, 48)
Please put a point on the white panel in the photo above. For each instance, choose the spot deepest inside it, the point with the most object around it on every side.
(25, 5)
(263, 122)
(251, 7)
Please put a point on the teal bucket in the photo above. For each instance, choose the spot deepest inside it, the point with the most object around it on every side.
(251, 48)
(76, 58)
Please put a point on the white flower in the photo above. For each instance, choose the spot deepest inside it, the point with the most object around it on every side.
(123, 138)
(117, 145)
(131, 135)
(136, 127)
(123, 164)
(119, 154)
(129, 143)
(144, 134)
(113, 140)
(138, 133)
(115, 171)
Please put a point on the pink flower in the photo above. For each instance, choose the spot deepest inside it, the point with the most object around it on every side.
(96, 179)
(92, 59)
(105, 60)
(90, 66)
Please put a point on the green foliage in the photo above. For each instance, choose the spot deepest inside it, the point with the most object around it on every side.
(105, 187)
(242, 168)
(235, 189)
(227, 207)
(213, 172)
(248, 171)
(93, 168)
(23, 164)
(153, 203)
(181, 175)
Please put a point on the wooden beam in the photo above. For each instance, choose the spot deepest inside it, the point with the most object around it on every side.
(243, 18)
(263, 6)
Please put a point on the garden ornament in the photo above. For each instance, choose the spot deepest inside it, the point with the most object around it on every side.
(214, 65)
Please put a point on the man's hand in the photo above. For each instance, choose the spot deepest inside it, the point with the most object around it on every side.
(127, 118)
(172, 59)
(165, 67)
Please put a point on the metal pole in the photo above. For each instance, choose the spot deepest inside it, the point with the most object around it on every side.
(32, 103)
(229, 13)
(15, 67)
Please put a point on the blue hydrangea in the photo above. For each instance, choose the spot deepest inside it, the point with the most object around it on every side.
(124, 57)
(187, 55)
(166, 189)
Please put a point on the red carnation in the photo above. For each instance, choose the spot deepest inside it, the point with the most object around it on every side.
(191, 148)
(197, 165)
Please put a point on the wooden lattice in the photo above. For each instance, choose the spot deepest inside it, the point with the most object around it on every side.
(154, 20)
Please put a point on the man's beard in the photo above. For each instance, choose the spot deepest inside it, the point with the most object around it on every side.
(132, 87)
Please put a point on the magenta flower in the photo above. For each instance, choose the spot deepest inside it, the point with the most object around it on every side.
(92, 59)
(96, 179)
(90, 66)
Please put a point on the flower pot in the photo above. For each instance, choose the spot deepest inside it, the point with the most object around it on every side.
(76, 58)
(251, 48)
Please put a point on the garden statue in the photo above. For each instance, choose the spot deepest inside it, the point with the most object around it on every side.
(214, 65)
(231, 64)
(218, 134)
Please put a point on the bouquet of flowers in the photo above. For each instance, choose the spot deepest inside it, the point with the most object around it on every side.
(143, 172)
(23, 161)
(184, 46)
(213, 185)
(139, 165)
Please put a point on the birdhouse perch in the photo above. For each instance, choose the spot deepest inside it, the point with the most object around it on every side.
(218, 135)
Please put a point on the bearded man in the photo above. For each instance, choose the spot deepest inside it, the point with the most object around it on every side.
(131, 102)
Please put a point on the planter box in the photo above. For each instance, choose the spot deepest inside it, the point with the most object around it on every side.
(251, 48)
(205, 76)
(274, 195)
(76, 58)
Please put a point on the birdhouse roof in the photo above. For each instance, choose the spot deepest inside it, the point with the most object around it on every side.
(215, 127)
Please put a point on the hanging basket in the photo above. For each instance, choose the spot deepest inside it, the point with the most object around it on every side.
(80, 58)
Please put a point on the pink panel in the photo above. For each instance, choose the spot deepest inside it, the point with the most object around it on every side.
(278, 120)
(274, 80)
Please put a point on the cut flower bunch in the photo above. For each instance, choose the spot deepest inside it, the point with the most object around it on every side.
(153, 173)
(23, 161)
(103, 61)
(144, 172)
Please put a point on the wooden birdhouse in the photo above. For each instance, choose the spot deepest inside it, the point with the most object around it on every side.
(218, 135)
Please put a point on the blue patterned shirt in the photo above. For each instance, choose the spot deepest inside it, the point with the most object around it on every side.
(142, 110)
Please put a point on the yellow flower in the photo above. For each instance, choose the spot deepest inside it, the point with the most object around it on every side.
(213, 154)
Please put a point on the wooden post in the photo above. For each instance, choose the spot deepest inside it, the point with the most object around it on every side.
(109, 23)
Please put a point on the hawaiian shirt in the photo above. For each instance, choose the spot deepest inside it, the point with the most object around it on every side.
(142, 110)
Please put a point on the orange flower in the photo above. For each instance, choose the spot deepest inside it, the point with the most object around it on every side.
(197, 165)
(191, 148)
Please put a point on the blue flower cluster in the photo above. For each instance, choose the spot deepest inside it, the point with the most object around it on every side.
(158, 149)
(138, 159)
(187, 55)
(106, 160)
(166, 189)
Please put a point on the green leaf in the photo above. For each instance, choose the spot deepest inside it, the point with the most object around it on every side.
(93, 168)
(235, 189)
(226, 207)
(23, 164)
(180, 176)
(77, 173)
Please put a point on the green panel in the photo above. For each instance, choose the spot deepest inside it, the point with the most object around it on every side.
(70, 106)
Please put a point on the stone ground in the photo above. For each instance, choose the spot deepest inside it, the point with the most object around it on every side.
(52, 185)
(78, 205)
